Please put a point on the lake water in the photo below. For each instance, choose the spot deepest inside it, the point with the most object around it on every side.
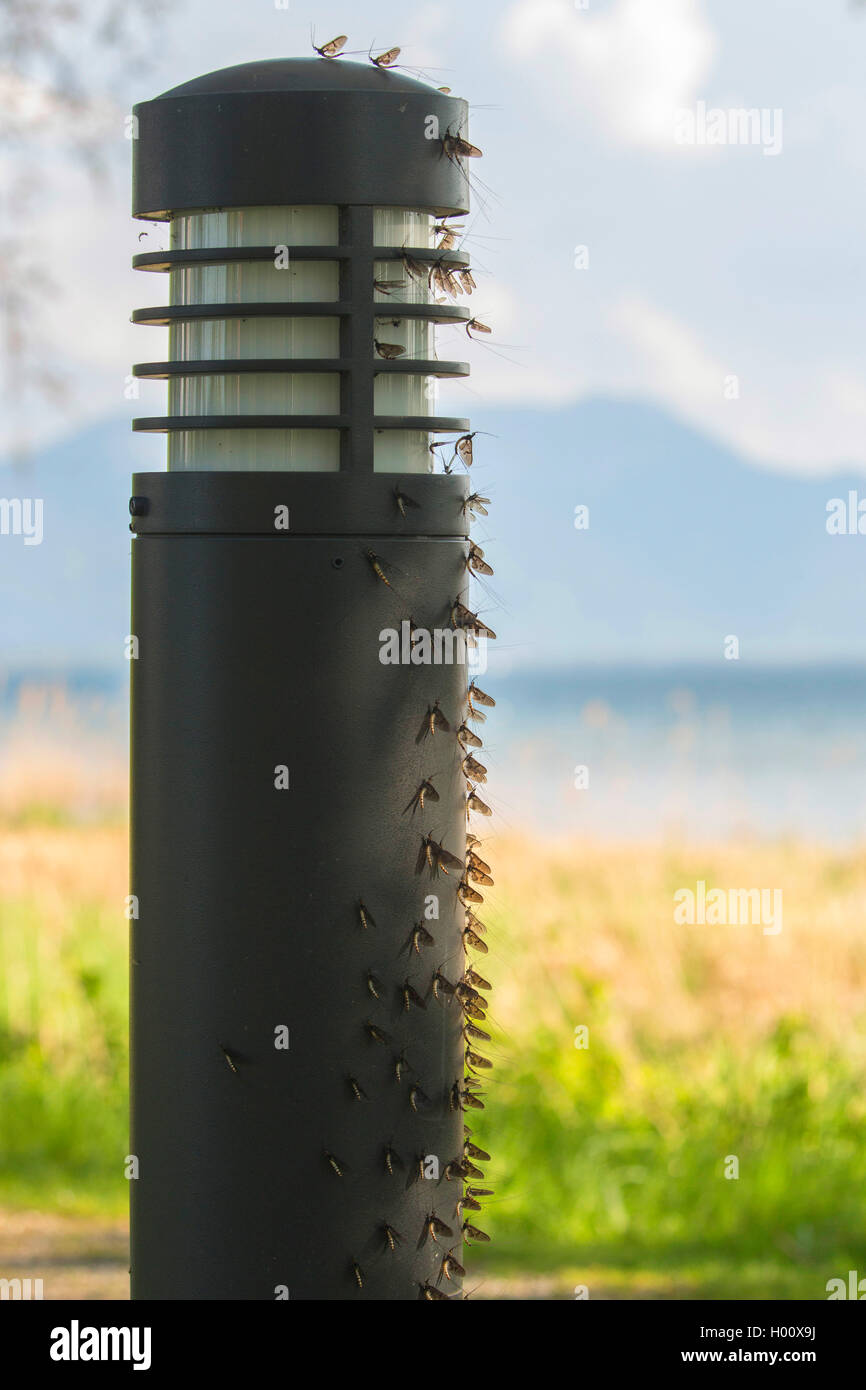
(693, 753)
(690, 753)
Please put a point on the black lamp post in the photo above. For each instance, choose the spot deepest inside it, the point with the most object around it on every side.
(298, 1016)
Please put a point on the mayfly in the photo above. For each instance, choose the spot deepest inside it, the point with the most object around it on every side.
(479, 876)
(413, 267)
(473, 1233)
(471, 1030)
(385, 60)
(229, 1058)
(475, 560)
(377, 565)
(455, 1171)
(391, 1237)
(450, 1265)
(410, 996)
(466, 893)
(392, 1160)
(480, 1191)
(469, 1204)
(431, 1294)
(403, 501)
(467, 739)
(474, 1059)
(441, 985)
(463, 446)
(448, 233)
(333, 1163)
(474, 803)
(467, 282)
(470, 1170)
(459, 1098)
(473, 858)
(358, 1273)
(476, 503)
(474, 922)
(401, 1064)
(418, 1100)
(476, 326)
(475, 696)
(471, 939)
(374, 985)
(475, 980)
(473, 1010)
(357, 1091)
(463, 617)
(441, 278)
(434, 719)
(468, 994)
(457, 148)
(376, 1034)
(426, 792)
(419, 936)
(388, 350)
(365, 916)
(433, 1227)
(332, 49)
(388, 287)
(435, 858)
(474, 1152)
(473, 770)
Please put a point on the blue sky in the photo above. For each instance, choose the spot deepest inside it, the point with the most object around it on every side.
(705, 264)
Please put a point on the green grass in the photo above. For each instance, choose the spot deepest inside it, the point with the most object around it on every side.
(63, 1061)
(608, 1163)
(620, 1179)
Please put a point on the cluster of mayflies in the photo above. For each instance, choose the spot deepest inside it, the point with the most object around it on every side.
(468, 993)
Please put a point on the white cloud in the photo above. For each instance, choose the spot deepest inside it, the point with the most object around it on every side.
(632, 67)
(791, 415)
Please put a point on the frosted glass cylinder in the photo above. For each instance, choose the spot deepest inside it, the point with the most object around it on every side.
(276, 281)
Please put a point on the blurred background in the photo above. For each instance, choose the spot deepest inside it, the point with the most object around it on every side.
(672, 404)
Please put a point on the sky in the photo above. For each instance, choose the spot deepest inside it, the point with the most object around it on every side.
(720, 282)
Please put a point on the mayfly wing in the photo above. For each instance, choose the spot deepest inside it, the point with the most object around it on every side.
(423, 860)
(479, 697)
(476, 562)
(473, 769)
(385, 60)
(473, 1233)
(475, 980)
(476, 503)
(463, 449)
(471, 939)
(457, 148)
(333, 48)
(451, 1265)
(467, 894)
(377, 1034)
(403, 501)
(410, 996)
(467, 738)
(388, 350)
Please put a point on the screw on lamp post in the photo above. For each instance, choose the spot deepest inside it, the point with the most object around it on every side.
(302, 761)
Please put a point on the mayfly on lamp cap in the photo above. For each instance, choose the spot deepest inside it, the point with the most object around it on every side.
(333, 48)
